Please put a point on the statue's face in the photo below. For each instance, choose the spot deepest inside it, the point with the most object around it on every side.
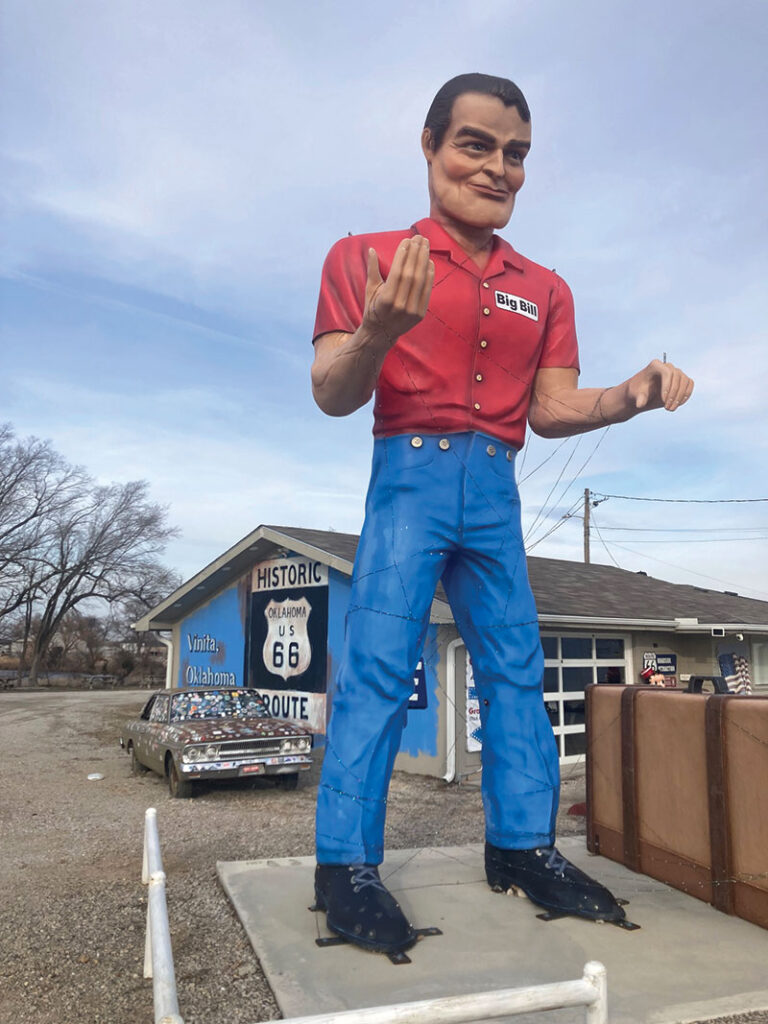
(478, 169)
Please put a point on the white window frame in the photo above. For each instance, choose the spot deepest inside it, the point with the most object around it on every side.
(560, 695)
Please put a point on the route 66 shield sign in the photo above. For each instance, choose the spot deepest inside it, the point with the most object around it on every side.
(287, 650)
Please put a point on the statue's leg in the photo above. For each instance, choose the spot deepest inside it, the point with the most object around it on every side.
(401, 554)
(487, 585)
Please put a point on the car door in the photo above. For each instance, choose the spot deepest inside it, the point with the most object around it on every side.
(158, 720)
(139, 729)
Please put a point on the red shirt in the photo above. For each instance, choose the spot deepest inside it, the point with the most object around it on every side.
(470, 363)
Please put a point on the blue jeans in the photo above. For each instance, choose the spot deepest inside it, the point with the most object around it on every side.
(447, 508)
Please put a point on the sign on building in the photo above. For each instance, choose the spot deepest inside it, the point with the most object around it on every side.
(289, 638)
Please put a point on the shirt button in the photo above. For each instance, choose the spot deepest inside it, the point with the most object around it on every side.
(491, 450)
(478, 376)
(416, 442)
(486, 285)
(444, 443)
(483, 343)
(477, 406)
(486, 311)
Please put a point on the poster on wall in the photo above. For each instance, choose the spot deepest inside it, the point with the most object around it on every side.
(418, 699)
(289, 638)
(663, 664)
(474, 729)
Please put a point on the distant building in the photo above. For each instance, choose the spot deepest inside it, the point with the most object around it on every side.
(269, 613)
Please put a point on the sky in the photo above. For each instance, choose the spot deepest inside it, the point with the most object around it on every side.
(173, 172)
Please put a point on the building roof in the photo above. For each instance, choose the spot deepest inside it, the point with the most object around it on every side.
(567, 593)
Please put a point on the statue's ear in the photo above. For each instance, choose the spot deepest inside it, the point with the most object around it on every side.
(427, 144)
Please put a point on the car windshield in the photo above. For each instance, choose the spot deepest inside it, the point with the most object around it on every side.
(208, 704)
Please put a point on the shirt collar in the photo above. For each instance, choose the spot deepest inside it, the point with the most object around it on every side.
(440, 241)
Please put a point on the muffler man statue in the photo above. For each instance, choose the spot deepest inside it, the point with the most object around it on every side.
(462, 341)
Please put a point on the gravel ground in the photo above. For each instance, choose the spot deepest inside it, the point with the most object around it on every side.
(72, 940)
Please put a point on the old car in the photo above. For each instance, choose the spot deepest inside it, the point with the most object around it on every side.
(217, 733)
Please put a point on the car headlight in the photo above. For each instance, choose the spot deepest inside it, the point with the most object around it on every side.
(192, 754)
(211, 752)
(298, 743)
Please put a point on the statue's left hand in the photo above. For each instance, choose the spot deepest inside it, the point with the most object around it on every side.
(659, 385)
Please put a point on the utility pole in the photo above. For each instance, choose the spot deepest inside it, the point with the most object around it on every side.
(586, 526)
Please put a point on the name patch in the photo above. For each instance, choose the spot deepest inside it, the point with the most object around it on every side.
(517, 305)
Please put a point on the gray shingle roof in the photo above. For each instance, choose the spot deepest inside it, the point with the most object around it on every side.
(563, 590)
(592, 591)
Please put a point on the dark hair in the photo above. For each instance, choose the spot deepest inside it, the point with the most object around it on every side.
(439, 114)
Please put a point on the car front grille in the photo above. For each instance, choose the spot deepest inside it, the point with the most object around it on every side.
(249, 748)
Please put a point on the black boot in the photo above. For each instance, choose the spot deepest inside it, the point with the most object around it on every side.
(359, 907)
(547, 878)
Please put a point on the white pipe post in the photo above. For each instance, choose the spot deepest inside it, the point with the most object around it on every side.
(450, 709)
(150, 826)
(150, 829)
(596, 975)
(163, 976)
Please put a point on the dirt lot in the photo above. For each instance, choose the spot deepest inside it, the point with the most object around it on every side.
(72, 937)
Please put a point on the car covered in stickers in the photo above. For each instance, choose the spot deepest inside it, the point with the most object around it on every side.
(215, 733)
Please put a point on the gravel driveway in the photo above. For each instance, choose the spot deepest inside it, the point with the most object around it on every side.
(72, 937)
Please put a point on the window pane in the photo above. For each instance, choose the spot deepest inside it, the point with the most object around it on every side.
(577, 678)
(575, 743)
(159, 711)
(610, 673)
(607, 647)
(553, 711)
(577, 646)
(573, 712)
(551, 680)
(549, 643)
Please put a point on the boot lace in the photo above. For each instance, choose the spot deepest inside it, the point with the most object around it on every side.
(556, 862)
(365, 876)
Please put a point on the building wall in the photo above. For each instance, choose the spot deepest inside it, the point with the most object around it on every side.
(211, 647)
(695, 653)
(209, 644)
(422, 748)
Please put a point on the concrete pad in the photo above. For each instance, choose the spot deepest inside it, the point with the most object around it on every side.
(688, 962)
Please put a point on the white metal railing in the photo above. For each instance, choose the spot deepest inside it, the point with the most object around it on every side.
(589, 991)
(158, 957)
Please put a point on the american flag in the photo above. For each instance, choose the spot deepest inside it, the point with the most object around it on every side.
(735, 669)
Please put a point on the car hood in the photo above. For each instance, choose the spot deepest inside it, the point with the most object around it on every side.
(222, 729)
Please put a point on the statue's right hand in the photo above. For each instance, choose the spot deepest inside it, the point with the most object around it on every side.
(394, 306)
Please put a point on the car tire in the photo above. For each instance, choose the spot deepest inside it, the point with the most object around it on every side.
(288, 782)
(178, 787)
(137, 768)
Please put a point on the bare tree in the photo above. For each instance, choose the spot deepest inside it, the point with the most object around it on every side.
(36, 487)
(107, 546)
(64, 541)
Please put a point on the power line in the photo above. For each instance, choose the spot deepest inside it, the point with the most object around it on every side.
(582, 467)
(701, 540)
(561, 521)
(685, 529)
(540, 513)
(544, 461)
(684, 568)
(686, 501)
(607, 549)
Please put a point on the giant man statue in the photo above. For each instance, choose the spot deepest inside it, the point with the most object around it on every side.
(461, 340)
